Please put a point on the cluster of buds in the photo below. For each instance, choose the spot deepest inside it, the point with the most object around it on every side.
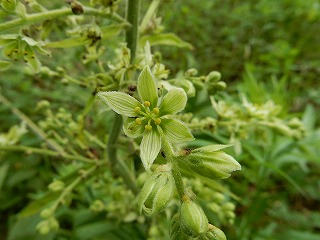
(49, 223)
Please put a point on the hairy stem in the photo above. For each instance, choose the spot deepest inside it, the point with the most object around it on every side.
(175, 169)
(133, 7)
(57, 13)
(47, 152)
(133, 12)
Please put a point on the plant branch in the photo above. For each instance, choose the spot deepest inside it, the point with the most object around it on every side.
(52, 144)
(133, 8)
(57, 13)
(32, 150)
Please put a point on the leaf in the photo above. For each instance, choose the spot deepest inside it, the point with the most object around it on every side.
(168, 39)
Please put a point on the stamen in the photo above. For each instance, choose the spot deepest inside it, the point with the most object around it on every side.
(147, 103)
(137, 109)
(148, 127)
(138, 121)
(157, 121)
(156, 110)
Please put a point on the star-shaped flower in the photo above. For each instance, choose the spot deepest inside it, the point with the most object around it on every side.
(151, 117)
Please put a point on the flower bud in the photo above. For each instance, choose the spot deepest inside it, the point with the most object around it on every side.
(56, 185)
(215, 233)
(213, 76)
(157, 191)
(213, 165)
(46, 213)
(193, 219)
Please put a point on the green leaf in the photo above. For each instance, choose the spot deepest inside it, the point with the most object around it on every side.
(176, 131)
(69, 42)
(147, 87)
(132, 129)
(120, 102)
(149, 148)
(168, 39)
(106, 32)
(173, 102)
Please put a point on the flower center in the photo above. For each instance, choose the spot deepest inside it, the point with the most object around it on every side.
(147, 117)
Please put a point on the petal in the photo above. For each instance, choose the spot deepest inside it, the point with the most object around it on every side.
(120, 102)
(132, 129)
(174, 101)
(149, 148)
(176, 131)
(212, 148)
(147, 87)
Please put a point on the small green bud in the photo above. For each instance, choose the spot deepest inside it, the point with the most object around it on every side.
(53, 224)
(191, 72)
(213, 76)
(215, 233)
(43, 227)
(46, 213)
(56, 185)
(157, 191)
(97, 206)
(213, 165)
(9, 5)
(193, 219)
(228, 206)
(218, 197)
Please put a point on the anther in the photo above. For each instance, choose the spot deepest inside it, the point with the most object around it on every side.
(138, 121)
(157, 121)
(147, 103)
(156, 110)
(148, 127)
(137, 109)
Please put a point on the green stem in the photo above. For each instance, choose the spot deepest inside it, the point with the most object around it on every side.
(32, 125)
(133, 8)
(47, 152)
(57, 13)
(132, 35)
(166, 146)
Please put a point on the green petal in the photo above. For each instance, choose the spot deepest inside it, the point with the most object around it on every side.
(174, 101)
(149, 148)
(147, 87)
(212, 148)
(176, 131)
(120, 102)
(132, 129)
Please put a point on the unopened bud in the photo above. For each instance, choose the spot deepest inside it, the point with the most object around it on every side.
(213, 76)
(215, 233)
(56, 185)
(193, 219)
(156, 193)
(213, 165)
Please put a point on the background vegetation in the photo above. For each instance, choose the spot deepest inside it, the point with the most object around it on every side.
(268, 54)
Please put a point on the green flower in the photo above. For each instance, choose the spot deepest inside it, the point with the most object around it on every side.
(151, 117)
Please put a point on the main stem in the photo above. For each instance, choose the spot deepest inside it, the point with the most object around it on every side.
(133, 9)
(52, 14)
